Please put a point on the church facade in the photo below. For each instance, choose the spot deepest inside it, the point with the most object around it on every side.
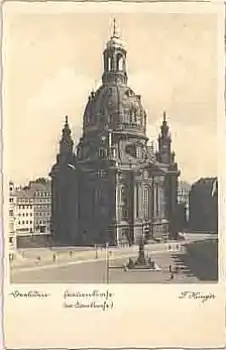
(115, 187)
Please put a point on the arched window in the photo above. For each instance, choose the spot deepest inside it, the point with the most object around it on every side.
(133, 116)
(123, 194)
(146, 202)
(138, 201)
(139, 119)
(123, 203)
(109, 63)
(138, 152)
(119, 62)
(102, 153)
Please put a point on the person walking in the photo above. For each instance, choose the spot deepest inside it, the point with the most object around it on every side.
(125, 268)
(176, 269)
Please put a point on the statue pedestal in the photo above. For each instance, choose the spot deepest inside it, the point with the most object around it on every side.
(141, 262)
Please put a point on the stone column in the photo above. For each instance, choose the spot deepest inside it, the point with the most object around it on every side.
(156, 205)
(160, 200)
(162, 214)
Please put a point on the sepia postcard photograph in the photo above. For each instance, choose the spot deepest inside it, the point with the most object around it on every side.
(111, 121)
(113, 148)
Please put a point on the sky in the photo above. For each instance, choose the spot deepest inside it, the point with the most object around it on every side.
(51, 62)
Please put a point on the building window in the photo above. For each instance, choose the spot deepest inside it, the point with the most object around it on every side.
(138, 203)
(11, 240)
(11, 213)
(139, 152)
(124, 204)
(146, 203)
(101, 173)
(101, 152)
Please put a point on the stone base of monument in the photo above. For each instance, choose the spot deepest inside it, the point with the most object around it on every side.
(145, 268)
(141, 265)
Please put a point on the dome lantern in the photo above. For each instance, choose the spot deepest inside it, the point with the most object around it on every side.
(115, 59)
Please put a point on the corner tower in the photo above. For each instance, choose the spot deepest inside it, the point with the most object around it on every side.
(166, 156)
(164, 142)
(64, 191)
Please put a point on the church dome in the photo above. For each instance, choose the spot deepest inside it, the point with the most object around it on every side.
(116, 106)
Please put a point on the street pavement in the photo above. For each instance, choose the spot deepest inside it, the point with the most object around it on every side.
(28, 258)
(196, 259)
(96, 272)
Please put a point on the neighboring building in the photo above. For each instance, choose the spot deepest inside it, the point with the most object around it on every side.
(183, 204)
(203, 200)
(24, 211)
(116, 184)
(11, 218)
(32, 208)
(41, 189)
(29, 214)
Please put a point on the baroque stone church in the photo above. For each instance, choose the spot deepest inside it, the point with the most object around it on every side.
(114, 188)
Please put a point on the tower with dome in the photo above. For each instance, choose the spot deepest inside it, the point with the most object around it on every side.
(115, 187)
